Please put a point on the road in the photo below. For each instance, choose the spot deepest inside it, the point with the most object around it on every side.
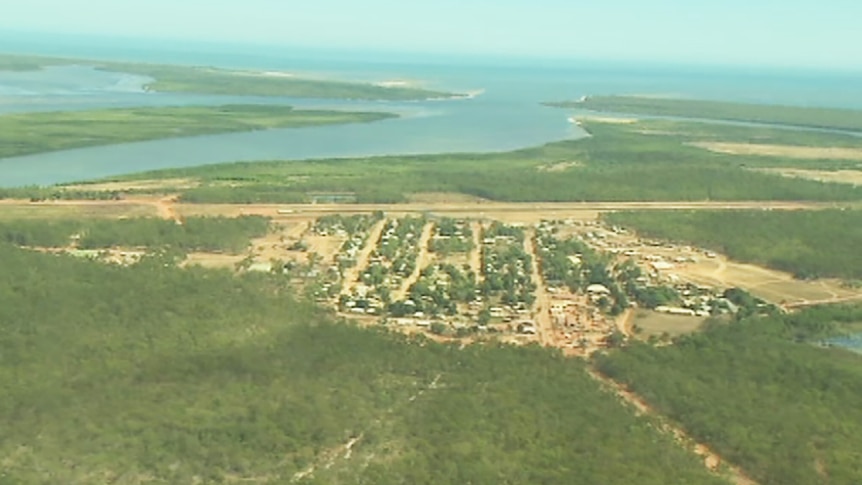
(351, 275)
(542, 306)
(476, 253)
(169, 208)
(711, 459)
(422, 259)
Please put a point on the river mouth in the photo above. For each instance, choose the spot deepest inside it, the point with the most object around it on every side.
(506, 114)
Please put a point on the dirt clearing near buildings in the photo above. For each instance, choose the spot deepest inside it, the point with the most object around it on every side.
(213, 260)
(650, 323)
(771, 285)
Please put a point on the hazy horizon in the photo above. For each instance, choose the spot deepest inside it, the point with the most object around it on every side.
(793, 34)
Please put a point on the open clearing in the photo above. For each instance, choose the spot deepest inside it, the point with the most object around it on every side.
(443, 198)
(78, 209)
(559, 167)
(771, 285)
(853, 177)
(607, 119)
(652, 323)
(212, 260)
(155, 184)
(527, 212)
(784, 151)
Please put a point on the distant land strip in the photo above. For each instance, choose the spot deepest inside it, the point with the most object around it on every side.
(31, 133)
(211, 80)
(823, 118)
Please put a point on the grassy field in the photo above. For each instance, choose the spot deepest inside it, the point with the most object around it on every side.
(157, 374)
(28, 133)
(827, 118)
(760, 394)
(208, 80)
(806, 243)
(617, 163)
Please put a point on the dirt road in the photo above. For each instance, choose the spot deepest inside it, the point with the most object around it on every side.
(542, 305)
(711, 459)
(539, 209)
(624, 322)
(351, 275)
(466, 207)
(422, 260)
(475, 257)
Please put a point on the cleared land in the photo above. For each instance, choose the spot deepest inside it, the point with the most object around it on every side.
(853, 177)
(136, 185)
(840, 119)
(771, 285)
(13, 209)
(806, 243)
(208, 80)
(785, 151)
(28, 133)
(650, 323)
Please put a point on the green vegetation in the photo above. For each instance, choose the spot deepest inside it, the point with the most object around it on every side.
(203, 80)
(826, 118)
(209, 80)
(438, 291)
(617, 163)
(391, 262)
(194, 234)
(27, 133)
(808, 244)
(451, 236)
(19, 63)
(507, 267)
(39, 232)
(786, 411)
(572, 263)
(152, 373)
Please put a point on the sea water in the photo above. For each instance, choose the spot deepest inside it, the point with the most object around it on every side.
(506, 115)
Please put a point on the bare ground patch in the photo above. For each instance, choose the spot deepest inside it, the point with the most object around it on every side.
(10, 209)
(853, 177)
(608, 119)
(652, 323)
(559, 167)
(771, 285)
(785, 151)
(213, 260)
(155, 184)
(443, 198)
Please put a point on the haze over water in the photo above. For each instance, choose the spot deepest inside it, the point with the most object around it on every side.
(507, 115)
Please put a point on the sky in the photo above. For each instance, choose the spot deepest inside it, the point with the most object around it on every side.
(791, 33)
